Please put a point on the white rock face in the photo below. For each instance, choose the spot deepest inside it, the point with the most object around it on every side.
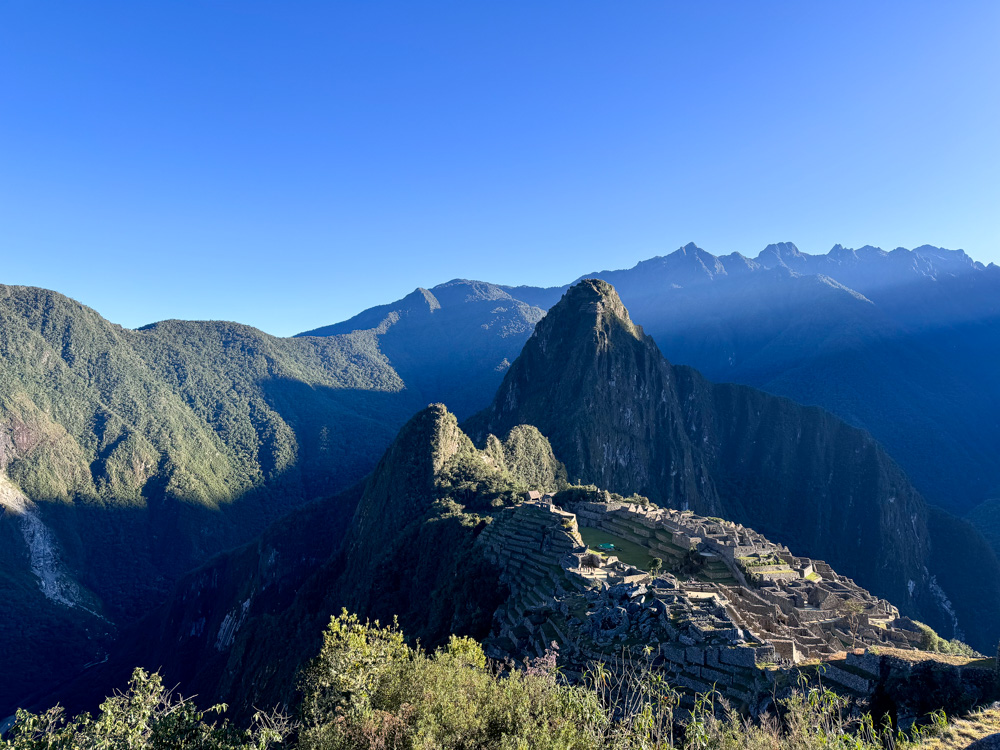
(54, 579)
(231, 624)
(946, 605)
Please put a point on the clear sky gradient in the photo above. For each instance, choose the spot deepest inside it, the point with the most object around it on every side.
(287, 164)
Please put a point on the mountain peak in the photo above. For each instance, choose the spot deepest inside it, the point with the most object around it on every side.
(778, 254)
(591, 300)
(421, 298)
(593, 288)
(458, 291)
(432, 433)
(401, 488)
(586, 336)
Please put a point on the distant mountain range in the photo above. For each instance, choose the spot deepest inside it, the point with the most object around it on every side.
(607, 405)
(904, 343)
(128, 458)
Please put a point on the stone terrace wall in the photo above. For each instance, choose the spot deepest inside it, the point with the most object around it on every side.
(801, 606)
(715, 629)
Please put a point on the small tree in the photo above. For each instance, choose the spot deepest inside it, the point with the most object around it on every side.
(344, 676)
(852, 610)
(655, 566)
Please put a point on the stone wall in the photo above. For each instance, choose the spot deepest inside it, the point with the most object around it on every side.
(802, 605)
(716, 623)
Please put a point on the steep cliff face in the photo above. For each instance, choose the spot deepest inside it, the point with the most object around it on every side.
(408, 553)
(803, 475)
(620, 416)
(891, 342)
(402, 487)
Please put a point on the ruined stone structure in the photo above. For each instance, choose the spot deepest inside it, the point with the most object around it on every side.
(727, 602)
(802, 607)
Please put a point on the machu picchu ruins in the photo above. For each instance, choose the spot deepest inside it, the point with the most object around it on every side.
(721, 607)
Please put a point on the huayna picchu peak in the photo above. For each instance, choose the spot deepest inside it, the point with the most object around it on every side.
(621, 417)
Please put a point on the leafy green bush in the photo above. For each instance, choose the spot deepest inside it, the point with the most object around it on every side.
(530, 462)
(367, 689)
(931, 641)
(145, 716)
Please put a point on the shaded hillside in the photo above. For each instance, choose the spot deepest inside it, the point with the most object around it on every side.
(899, 343)
(620, 416)
(127, 457)
(986, 518)
(400, 543)
(449, 344)
(240, 624)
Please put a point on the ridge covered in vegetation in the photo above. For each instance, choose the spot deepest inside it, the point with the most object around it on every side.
(399, 543)
(128, 457)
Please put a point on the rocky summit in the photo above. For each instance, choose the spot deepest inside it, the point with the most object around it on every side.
(621, 417)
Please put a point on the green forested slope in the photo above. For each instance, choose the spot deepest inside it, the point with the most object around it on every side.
(127, 457)
(94, 410)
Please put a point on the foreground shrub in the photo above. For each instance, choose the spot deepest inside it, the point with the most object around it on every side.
(145, 716)
(367, 689)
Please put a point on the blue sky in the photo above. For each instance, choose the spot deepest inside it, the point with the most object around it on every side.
(287, 164)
